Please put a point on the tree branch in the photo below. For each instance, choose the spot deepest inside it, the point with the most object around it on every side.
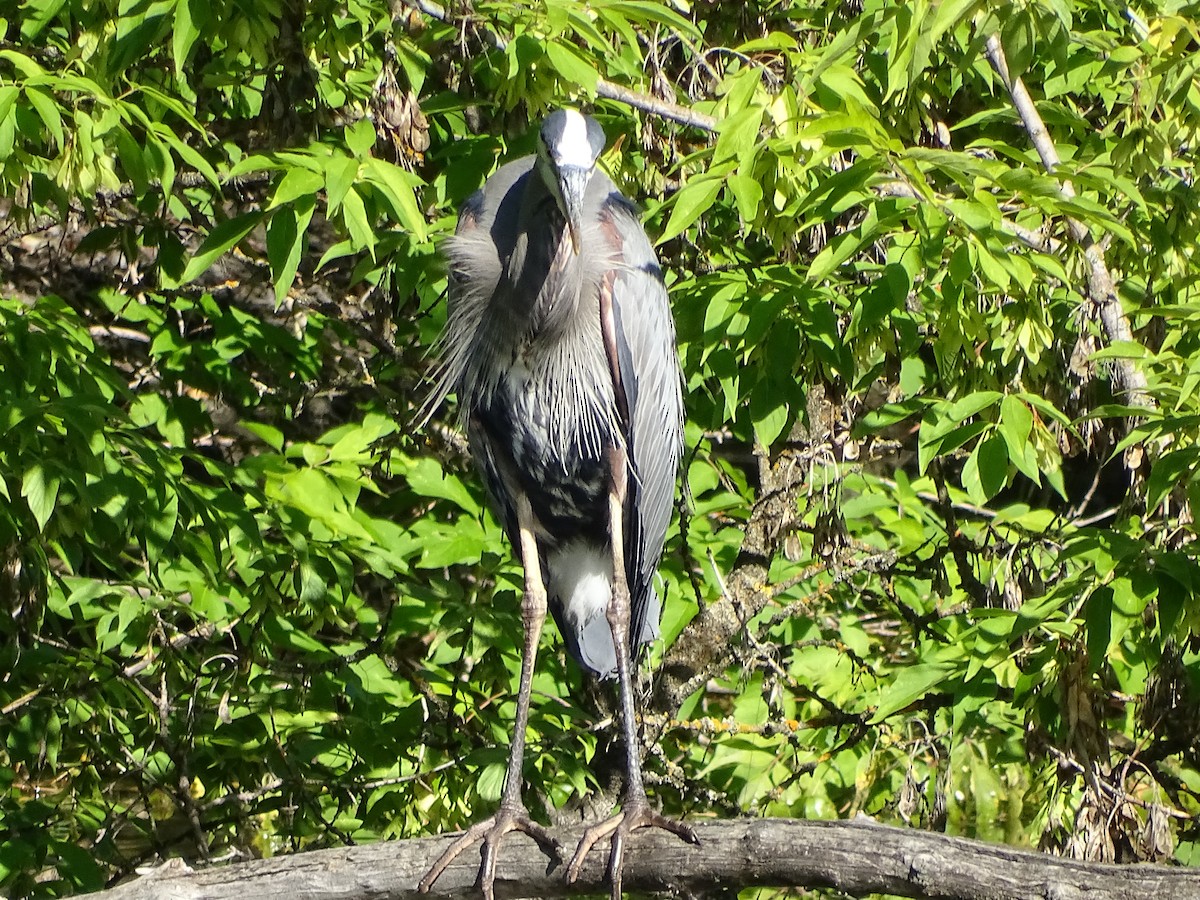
(661, 108)
(1034, 240)
(856, 857)
(707, 641)
(1101, 290)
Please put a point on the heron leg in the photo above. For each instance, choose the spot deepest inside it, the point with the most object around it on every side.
(512, 814)
(636, 811)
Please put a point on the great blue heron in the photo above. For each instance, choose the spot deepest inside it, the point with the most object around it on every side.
(560, 345)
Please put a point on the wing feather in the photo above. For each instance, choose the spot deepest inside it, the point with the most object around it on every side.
(652, 383)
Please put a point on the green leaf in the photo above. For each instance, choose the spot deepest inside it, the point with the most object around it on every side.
(1018, 38)
(911, 684)
(34, 18)
(747, 193)
(284, 633)
(8, 99)
(337, 251)
(47, 111)
(949, 14)
(428, 479)
(887, 415)
(219, 240)
(354, 214)
(360, 138)
(188, 154)
(1035, 521)
(400, 187)
(133, 159)
(836, 252)
(690, 203)
(737, 134)
(1171, 469)
(648, 12)
(356, 442)
(490, 782)
(40, 493)
(447, 545)
(934, 441)
(1173, 599)
(971, 405)
(186, 30)
(1016, 423)
(986, 470)
(296, 182)
(1098, 613)
(572, 66)
(286, 240)
(340, 174)
(885, 295)
(22, 63)
(769, 416)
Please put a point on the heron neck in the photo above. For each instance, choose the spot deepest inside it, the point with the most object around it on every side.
(545, 273)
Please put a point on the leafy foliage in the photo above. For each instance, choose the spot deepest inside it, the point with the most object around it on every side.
(246, 609)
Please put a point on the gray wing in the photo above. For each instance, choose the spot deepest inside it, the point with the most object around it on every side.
(652, 385)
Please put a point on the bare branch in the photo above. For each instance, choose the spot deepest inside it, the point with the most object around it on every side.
(1035, 240)
(661, 108)
(1101, 290)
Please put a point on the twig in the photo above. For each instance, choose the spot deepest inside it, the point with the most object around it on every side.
(932, 497)
(201, 632)
(661, 108)
(117, 331)
(1118, 794)
(1101, 290)
(1035, 240)
(275, 784)
(708, 726)
(1109, 513)
(20, 701)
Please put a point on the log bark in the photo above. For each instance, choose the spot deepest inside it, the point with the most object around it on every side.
(856, 857)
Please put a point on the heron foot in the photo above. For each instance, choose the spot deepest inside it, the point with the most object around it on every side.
(636, 814)
(489, 834)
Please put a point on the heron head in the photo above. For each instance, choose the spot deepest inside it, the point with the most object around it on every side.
(568, 146)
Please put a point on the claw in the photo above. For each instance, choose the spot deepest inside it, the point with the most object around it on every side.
(637, 814)
(489, 833)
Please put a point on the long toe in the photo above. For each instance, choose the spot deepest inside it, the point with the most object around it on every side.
(637, 814)
(488, 834)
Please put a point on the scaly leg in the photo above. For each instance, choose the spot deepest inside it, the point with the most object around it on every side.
(635, 807)
(512, 814)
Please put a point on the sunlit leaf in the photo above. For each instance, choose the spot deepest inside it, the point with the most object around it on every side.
(40, 492)
(219, 241)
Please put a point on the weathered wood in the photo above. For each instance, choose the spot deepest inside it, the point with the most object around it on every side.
(857, 857)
